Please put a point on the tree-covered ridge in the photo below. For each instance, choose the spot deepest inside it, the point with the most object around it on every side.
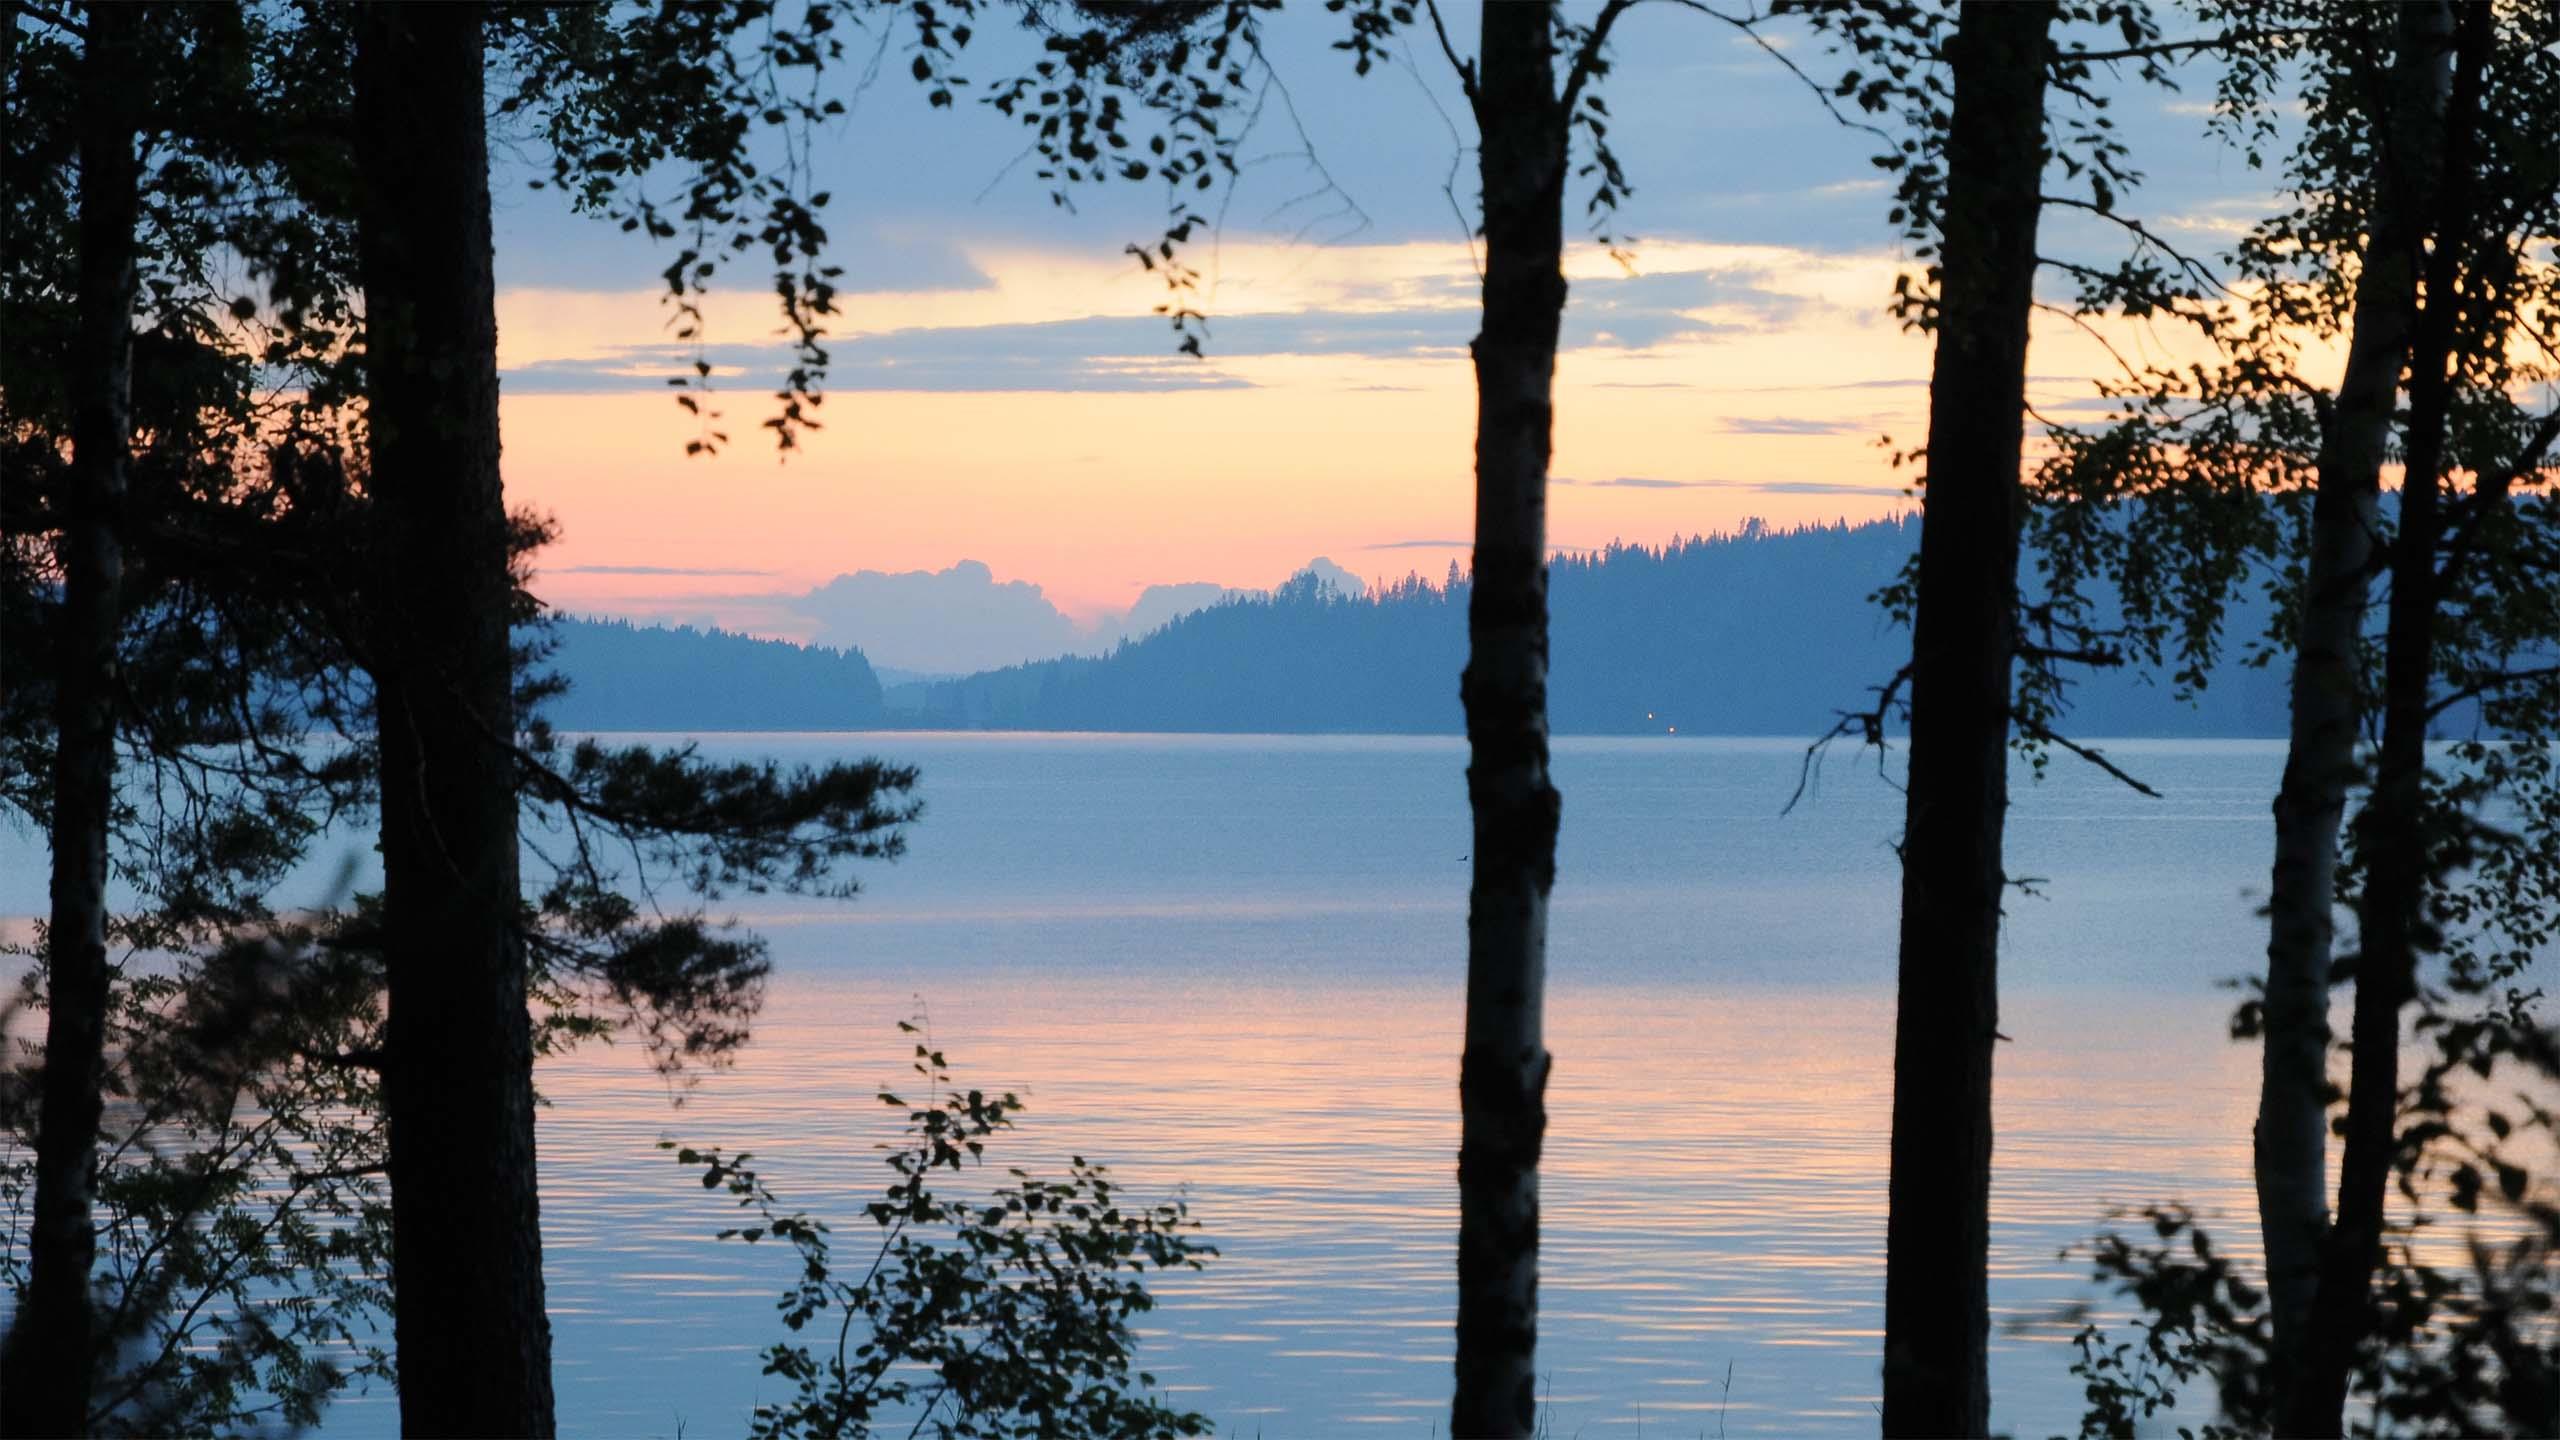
(1764, 631)
(631, 677)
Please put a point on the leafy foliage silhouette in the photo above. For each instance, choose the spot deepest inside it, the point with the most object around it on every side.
(1007, 1314)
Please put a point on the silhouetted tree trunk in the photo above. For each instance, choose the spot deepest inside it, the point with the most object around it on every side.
(474, 1343)
(2293, 1096)
(1502, 1080)
(53, 1338)
(1937, 1315)
(2393, 832)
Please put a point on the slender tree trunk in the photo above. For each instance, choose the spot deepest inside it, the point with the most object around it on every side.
(2393, 831)
(474, 1342)
(1502, 1081)
(1937, 1310)
(2293, 1095)
(53, 1341)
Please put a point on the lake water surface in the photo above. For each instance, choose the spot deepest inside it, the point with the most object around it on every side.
(1234, 965)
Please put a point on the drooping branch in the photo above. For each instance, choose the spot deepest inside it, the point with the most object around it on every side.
(1587, 60)
(2080, 322)
(2490, 496)
(1465, 69)
(1749, 25)
(2227, 40)
(2199, 271)
(2490, 684)
(2038, 730)
(1867, 725)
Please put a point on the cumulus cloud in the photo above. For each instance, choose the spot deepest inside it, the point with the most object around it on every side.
(1329, 576)
(963, 619)
(1161, 605)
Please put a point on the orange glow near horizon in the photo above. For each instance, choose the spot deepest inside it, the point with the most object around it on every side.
(1095, 494)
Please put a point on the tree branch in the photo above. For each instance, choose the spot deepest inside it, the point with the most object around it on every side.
(1749, 26)
(1466, 68)
(2195, 268)
(2490, 684)
(2131, 372)
(2490, 496)
(2160, 48)
(1867, 724)
(2095, 659)
(1587, 58)
(2038, 730)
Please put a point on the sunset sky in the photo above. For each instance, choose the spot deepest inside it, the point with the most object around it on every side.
(1002, 392)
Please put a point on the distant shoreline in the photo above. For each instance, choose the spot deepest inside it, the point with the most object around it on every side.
(1763, 634)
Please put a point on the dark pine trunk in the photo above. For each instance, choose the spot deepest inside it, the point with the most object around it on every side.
(53, 1340)
(1502, 1081)
(474, 1343)
(1937, 1315)
(2292, 1163)
(2393, 831)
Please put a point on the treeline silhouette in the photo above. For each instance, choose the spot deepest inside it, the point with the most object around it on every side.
(1765, 631)
(1762, 632)
(630, 677)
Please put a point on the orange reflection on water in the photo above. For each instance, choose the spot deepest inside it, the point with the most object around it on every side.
(1714, 1180)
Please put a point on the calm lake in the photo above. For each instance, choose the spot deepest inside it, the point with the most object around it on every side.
(1232, 966)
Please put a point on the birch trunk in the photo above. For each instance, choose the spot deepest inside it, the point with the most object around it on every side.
(2292, 1133)
(1503, 1075)
(2392, 833)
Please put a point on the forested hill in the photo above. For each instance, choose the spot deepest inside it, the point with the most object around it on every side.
(1760, 633)
(1764, 632)
(630, 677)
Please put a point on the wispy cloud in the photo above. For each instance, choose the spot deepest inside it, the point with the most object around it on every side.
(1643, 312)
(1647, 482)
(1750, 487)
(1420, 545)
(1913, 383)
(963, 360)
(653, 570)
(1786, 425)
(1821, 487)
(896, 259)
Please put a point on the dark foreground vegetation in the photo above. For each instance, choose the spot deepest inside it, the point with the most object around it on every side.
(262, 579)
